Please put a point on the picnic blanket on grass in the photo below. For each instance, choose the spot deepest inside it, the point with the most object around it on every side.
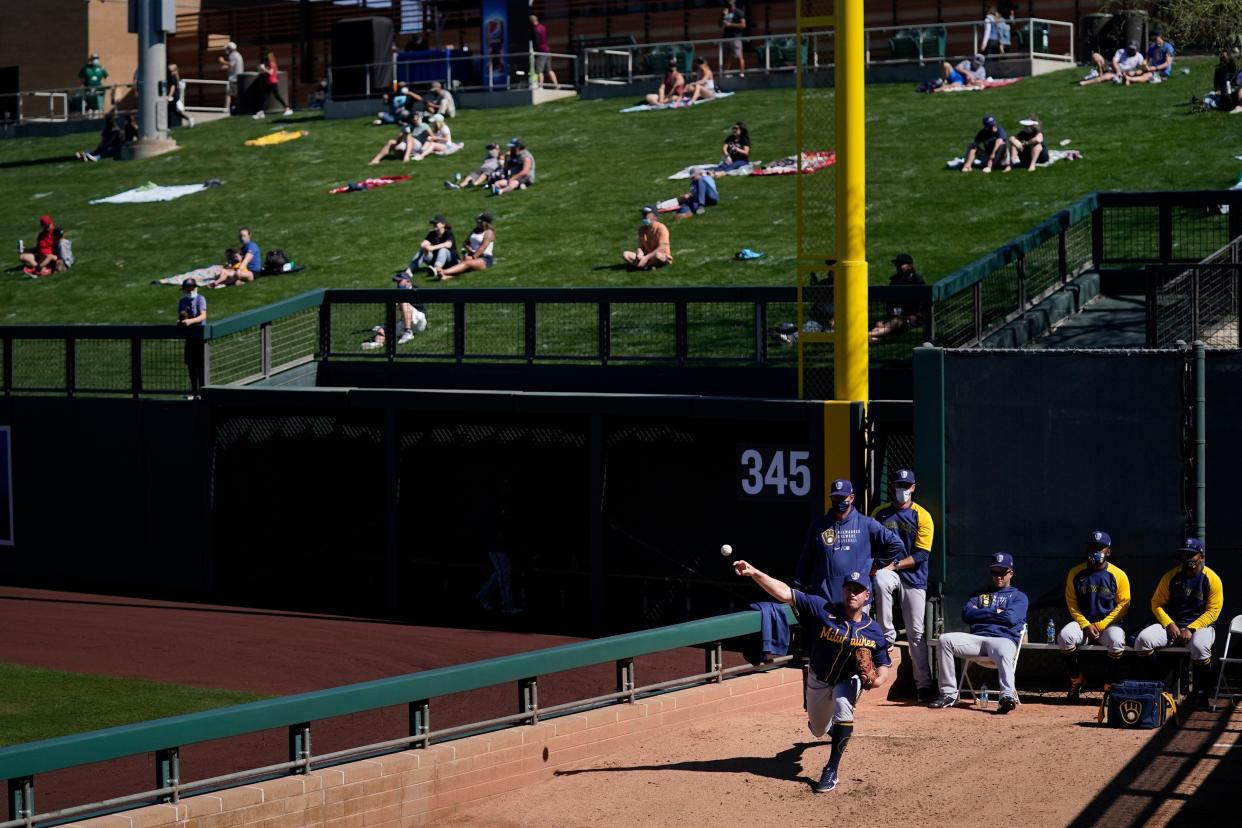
(273, 138)
(369, 184)
(204, 276)
(680, 103)
(812, 162)
(1053, 157)
(155, 192)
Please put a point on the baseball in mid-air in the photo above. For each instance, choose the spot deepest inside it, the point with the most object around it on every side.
(726, 550)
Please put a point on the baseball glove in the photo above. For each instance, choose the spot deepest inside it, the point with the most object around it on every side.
(866, 667)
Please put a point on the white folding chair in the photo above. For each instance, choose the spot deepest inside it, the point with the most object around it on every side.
(1234, 691)
(986, 663)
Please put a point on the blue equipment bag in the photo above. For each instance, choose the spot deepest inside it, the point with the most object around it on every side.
(1138, 704)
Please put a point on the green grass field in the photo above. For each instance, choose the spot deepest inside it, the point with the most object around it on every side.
(41, 704)
(596, 168)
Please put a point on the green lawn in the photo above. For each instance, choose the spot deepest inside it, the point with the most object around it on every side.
(41, 704)
(596, 167)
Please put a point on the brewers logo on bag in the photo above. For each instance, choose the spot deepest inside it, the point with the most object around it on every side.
(1130, 711)
(1139, 704)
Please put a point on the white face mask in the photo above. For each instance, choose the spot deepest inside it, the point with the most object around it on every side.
(902, 496)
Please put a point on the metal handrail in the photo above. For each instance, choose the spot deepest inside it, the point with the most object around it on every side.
(447, 61)
(20, 764)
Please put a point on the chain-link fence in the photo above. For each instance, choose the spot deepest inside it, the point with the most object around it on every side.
(1201, 302)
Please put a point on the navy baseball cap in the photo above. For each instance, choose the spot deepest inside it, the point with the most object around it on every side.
(841, 488)
(1000, 560)
(989, 121)
(904, 477)
(860, 578)
(1193, 546)
(1099, 538)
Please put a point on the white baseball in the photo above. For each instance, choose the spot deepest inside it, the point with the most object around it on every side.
(726, 550)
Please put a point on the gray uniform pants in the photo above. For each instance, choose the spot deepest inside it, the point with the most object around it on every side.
(1113, 637)
(960, 645)
(888, 586)
(1155, 637)
(827, 704)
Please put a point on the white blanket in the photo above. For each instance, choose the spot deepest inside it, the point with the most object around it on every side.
(155, 192)
(681, 103)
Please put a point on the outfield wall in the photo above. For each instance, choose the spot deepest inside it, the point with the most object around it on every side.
(1028, 451)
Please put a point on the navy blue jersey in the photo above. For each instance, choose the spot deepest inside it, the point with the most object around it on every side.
(999, 614)
(914, 527)
(836, 638)
(1097, 596)
(1192, 600)
(833, 549)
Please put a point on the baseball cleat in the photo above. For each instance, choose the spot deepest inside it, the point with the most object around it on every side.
(926, 694)
(1006, 704)
(944, 701)
(1075, 690)
(827, 780)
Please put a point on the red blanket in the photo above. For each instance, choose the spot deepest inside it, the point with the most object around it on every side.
(812, 162)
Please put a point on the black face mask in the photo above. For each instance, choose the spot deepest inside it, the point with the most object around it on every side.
(841, 506)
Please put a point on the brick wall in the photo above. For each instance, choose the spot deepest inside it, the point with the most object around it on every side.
(421, 787)
(47, 40)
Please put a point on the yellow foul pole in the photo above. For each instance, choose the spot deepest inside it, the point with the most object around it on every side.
(850, 355)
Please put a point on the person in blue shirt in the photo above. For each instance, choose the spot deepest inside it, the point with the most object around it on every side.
(192, 312)
(905, 579)
(1160, 57)
(1187, 602)
(247, 266)
(835, 630)
(997, 620)
(841, 542)
(1097, 595)
(991, 145)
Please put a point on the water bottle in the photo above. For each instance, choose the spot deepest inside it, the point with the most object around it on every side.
(21, 247)
(1052, 632)
(983, 697)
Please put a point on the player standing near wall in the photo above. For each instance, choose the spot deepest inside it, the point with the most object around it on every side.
(841, 542)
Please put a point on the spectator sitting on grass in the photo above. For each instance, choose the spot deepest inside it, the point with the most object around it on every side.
(247, 262)
(410, 320)
(898, 317)
(991, 144)
(477, 252)
(1126, 63)
(735, 153)
(402, 145)
(1028, 146)
(437, 141)
(395, 107)
(654, 249)
(671, 88)
(519, 169)
(42, 261)
(492, 169)
(439, 101)
(438, 249)
(704, 85)
(1160, 58)
(1224, 95)
(111, 139)
(703, 194)
(969, 72)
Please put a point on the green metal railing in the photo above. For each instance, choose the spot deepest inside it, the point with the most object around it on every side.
(21, 764)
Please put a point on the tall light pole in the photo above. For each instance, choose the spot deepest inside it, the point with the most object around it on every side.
(151, 20)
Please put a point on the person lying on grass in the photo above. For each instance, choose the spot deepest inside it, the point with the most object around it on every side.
(970, 72)
(477, 254)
